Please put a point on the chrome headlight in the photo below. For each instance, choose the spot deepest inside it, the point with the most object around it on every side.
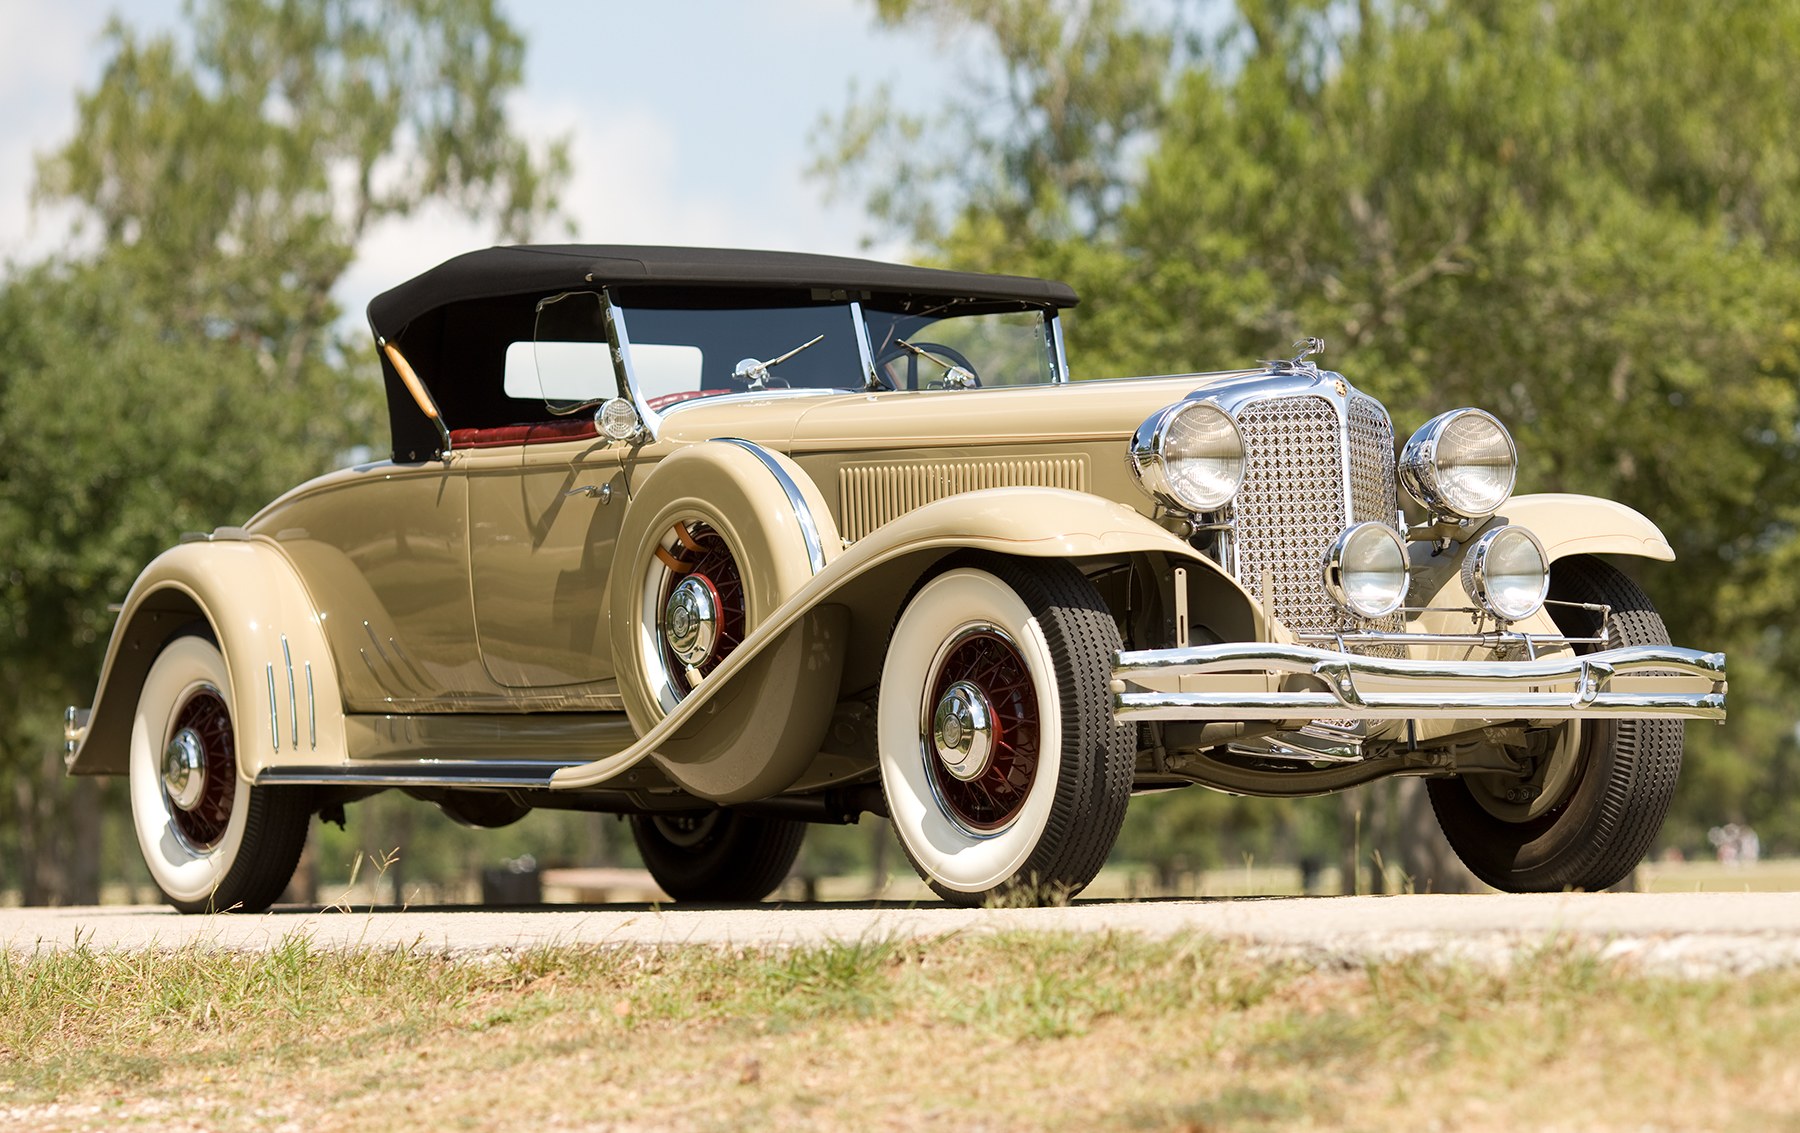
(1189, 454)
(1507, 573)
(1461, 463)
(1365, 570)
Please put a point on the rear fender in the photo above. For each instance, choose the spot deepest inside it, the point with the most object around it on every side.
(284, 689)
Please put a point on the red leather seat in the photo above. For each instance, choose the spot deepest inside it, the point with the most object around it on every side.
(535, 433)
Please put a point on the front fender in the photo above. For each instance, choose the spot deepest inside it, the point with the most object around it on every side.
(1566, 525)
(869, 579)
(284, 688)
(1587, 525)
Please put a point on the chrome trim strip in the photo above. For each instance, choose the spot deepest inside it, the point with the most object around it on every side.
(287, 656)
(274, 713)
(809, 528)
(620, 338)
(865, 353)
(312, 711)
(1513, 686)
(488, 773)
(1059, 358)
(1341, 406)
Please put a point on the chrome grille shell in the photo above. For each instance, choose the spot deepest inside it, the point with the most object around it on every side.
(1319, 457)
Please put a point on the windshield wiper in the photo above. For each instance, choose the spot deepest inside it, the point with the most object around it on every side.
(755, 375)
(956, 376)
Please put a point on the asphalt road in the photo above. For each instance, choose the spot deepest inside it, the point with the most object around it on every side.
(1682, 933)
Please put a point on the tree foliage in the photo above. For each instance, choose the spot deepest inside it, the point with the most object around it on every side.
(181, 365)
(1582, 216)
(1035, 151)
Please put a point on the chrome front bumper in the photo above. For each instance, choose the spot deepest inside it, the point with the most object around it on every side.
(1276, 681)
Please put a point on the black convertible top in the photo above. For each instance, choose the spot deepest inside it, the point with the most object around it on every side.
(540, 268)
(453, 323)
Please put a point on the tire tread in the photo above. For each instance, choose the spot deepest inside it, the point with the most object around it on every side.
(1640, 770)
(746, 861)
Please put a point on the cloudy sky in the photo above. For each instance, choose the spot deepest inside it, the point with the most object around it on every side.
(689, 118)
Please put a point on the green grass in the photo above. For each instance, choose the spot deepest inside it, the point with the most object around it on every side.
(982, 1032)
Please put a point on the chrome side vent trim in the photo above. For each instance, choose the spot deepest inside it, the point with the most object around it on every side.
(873, 494)
(274, 712)
(287, 657)
(312, 711)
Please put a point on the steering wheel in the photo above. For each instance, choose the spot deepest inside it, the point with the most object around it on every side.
(936, 350)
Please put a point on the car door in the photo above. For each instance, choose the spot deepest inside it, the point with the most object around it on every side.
(542, 525)
(545, 501)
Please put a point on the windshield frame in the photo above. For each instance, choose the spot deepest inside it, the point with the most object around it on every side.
(619, 338)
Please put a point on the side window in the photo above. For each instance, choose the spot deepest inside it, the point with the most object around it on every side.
(567, 364)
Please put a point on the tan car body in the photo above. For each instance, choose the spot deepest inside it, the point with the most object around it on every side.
(608, 569)
(390, 631)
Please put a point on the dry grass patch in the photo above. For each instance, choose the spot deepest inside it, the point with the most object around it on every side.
(985, 1032)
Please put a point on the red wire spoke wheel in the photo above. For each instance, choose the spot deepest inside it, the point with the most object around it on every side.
(703, 616)
(201, 797)
(983, 725)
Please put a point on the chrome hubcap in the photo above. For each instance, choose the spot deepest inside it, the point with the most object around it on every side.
(184, 769)
(963, 731)
(691, 620)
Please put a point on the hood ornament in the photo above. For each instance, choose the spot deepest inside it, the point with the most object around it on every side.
(1298, 364)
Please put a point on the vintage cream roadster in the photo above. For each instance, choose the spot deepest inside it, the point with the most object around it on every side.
(731, 542)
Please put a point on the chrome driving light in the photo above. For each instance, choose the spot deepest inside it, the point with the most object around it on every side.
(1507, 573)
(1461, 464)
(1190, 455)
(1365, 570)
(618, 420)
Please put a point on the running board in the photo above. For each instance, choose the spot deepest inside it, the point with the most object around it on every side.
(491, 774)
(840, 806)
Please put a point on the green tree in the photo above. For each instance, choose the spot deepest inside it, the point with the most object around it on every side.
(1581, 216)
(185, 365)
(1034, 155)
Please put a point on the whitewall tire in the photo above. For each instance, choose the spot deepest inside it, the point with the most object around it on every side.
(212, 842)
(1005, 775)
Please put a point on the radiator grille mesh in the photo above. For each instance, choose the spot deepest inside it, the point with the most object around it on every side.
(1372, 462)
(1292, 503)
(873, 494)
